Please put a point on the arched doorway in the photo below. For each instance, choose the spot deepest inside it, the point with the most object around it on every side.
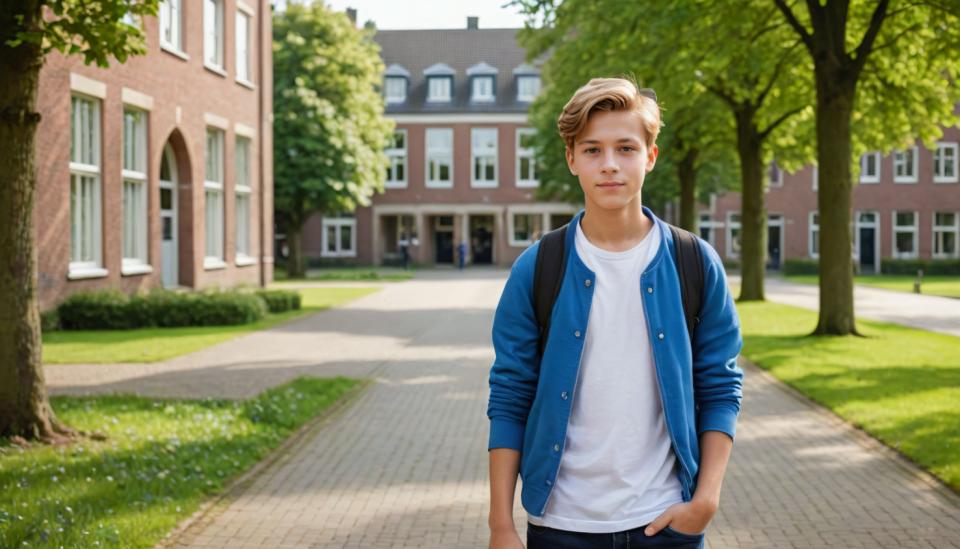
(169, 220)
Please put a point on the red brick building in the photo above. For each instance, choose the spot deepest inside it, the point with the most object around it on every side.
(461, 168)
(158, 172)
(906, 206)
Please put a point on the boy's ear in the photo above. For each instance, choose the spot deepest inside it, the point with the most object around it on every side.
(568, 152)
(652, 153)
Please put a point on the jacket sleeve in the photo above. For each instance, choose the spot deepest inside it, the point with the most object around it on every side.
(515, 370)
(717, 380)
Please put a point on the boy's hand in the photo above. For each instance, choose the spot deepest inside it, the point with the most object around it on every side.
(687, 518)
(505, 538)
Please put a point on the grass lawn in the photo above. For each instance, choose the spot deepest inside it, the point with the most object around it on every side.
(362, 274)
(154, 344)
(161, 460)
(901, 385)
(943, 285)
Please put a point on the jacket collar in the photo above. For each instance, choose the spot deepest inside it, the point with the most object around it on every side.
(666, 240)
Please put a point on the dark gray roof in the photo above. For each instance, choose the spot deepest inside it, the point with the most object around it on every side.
(460, 49)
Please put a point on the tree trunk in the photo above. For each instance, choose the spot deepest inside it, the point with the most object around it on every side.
(687, 174)
(753, 218)
(295, 263)
(834, 108)
(24, 408)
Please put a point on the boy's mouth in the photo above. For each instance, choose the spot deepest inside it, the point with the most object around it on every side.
(610, 184)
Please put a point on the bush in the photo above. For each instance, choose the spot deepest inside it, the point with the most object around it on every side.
(112, 310)
(279, 301)
(929, 266)
(801, 267)
(50, 321)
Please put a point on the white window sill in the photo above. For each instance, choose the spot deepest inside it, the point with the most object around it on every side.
(527, 184)
(438, 100)
(520, 243)
(215, 69)
(484, 184)
(136, 269)
(487, 100)
(395, 100)
(904, 256)
(213, 263)
(171, 49)
(905, 180)
(338, 254)
(439, 184)
(80, 273)
(946, 179)
(870, 180)
(395, 185)
(246, 83)
(244, 261)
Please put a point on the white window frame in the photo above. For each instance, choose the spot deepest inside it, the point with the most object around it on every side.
(526, 152)
(705, 220)
(939, 175)
(242, 48)
(914, 229)
(441, 154)
(213, 36)
(171, 19)
(864, 177)
(391, 86)
(213, 184)
(730, 226)
(484, 156)
(813, 234)
(527, 97)
(774, 181)
(137, 226)
(89, 167)
(476, 95)
(243, 191)
(899, 158)
(512, 225)
(433, 95)
(816, 177)
(398, 156)
(339, 223)
(944, 229)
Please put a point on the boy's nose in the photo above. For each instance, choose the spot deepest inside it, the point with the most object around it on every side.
(609, 163)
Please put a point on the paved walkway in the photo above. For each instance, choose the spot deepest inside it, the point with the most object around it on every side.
(405, 465)
(927, 312)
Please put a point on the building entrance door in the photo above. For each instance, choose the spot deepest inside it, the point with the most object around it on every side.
(774, 241)
(169, 266)
(443, 239)
(867, 242)
(481, 239)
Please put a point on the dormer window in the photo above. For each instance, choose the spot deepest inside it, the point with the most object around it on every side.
(396, 88)
(482, 89)
(439, 83)
(528, 86)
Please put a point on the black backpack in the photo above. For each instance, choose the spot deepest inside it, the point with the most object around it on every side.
(552, 262)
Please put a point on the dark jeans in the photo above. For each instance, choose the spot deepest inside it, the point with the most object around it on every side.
(541, 537)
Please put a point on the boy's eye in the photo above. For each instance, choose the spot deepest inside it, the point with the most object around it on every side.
(627, 148)
(592, 150)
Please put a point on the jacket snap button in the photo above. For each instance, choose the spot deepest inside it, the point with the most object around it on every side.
(576, 333)
(563, 395)
(556, 447)
(660, 335)
(587, 283)
(649, 289)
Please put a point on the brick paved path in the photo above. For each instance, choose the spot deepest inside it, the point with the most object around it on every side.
(405, 465)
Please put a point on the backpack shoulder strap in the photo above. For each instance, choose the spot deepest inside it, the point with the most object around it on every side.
(689, 262)
(548, 277)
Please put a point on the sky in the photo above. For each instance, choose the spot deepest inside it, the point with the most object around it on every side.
(430, 14)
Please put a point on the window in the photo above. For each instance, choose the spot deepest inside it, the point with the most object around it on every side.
(905, 235)
(526, 161)
(946, 233)
(242, 33)
(85, 220)
(870, 168)
(339, 237)
(526, 228)
(774, 175)
(134, 192)
(242, 191)
(397, 154)
(213, 33)
(213, 200)
(813, 235)
(527, 87)
(482, 89)
(439, 157)
(483, 145)
(905, 166)
(945, 163)
(708, 229)
(170, 24)
(733, 235)
(396, 89)
(438, 88)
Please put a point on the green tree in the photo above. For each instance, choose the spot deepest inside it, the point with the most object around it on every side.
(885, 75)
(328, 118)
(30, 29)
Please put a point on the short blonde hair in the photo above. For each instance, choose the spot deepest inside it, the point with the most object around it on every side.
(608, 94)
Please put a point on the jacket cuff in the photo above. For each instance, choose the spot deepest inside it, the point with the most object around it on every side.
(505, 433)
(721, 419)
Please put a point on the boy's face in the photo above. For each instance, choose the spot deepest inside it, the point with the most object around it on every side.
(611, 159)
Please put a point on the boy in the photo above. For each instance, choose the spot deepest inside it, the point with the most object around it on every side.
(603, 426)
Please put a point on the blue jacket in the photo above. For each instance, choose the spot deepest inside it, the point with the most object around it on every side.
(531, 398)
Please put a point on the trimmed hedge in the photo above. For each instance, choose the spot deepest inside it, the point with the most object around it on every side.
(929, 266)
(279, 301)
(113, 310)
(801, 267)
(50, 321)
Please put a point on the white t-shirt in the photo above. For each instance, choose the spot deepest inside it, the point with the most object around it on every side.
(618, 470)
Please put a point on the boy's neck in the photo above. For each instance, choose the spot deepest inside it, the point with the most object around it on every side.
(615, 230)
